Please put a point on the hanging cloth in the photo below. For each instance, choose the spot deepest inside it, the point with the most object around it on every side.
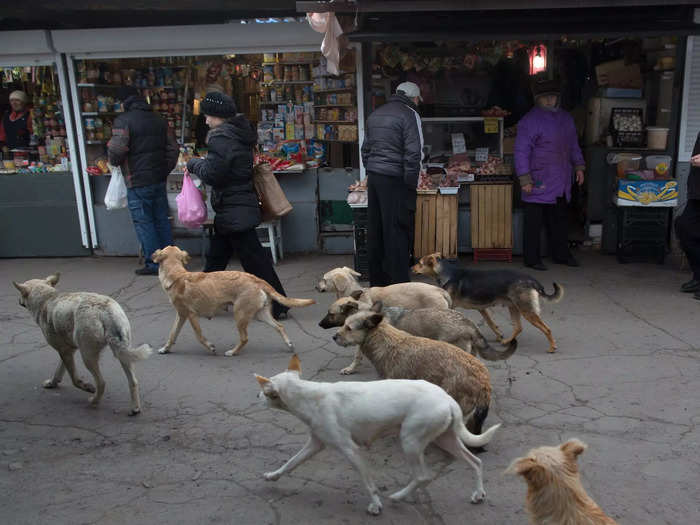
(327, 23)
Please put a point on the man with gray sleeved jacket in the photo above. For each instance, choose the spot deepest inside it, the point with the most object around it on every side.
(391, 154)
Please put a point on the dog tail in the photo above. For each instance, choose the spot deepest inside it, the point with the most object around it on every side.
(555, 296)
(465, 436)
(119, 340)
(139, 353)
(489, 353)
(288, 301)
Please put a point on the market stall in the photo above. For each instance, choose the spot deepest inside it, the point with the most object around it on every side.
(306, 119)
(40, 192)
(619, 92)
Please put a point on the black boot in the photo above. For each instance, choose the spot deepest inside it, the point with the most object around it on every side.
(691, 286)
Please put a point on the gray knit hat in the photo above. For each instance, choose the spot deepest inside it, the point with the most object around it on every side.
(218, 105)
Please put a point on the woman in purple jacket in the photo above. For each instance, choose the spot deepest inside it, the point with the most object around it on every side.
(546, 155)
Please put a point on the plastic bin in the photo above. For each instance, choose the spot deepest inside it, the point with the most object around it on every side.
(661, 164)
(657, 137)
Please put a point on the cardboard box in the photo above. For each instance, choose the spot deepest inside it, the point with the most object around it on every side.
(618, 74)
(508, 145)
(647, 193)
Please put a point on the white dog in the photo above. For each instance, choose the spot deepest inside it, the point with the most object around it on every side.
(348, 415)
(87, 322)
(343, 281)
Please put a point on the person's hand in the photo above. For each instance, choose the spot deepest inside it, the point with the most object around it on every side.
(527, 188)
(695, 161)
(579, 177)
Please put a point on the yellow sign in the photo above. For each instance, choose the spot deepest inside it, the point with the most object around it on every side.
(490, 125)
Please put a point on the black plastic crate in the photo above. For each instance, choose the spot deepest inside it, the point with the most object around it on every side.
(642, 233)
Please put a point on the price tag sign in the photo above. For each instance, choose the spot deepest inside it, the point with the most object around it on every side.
(458, 143)
(490, 125)
(482, 154)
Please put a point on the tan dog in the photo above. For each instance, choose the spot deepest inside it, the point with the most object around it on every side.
(87, 322)
(199, 294)
(442, 325)
(554, 491)
(343, 281)
(398, 355)
(480, 289)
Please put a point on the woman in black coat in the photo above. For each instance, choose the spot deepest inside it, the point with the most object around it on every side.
(228, 169)
(688, 224)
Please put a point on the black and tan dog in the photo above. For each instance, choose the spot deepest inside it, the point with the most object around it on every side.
(480, 289)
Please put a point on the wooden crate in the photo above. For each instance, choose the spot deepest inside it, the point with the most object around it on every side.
(436, 225)
(492, 220)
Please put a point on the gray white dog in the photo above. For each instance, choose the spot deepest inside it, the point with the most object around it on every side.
(87, 322)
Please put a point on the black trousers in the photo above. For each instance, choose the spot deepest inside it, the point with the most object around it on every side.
(253, 257)
(391, 210)
(555, 218)
(688, 232)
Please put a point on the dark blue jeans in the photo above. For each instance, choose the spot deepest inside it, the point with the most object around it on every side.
(148, 206)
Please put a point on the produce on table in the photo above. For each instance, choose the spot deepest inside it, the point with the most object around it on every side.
(495, 111)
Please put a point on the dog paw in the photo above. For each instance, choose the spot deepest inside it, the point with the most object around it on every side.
(164, 350)
(478, 496)
(86, 386)
(290, 347)
(230, 353)
(271, 476)
(211, 348)
(347, 371)
(49, 383)
(552, 349)
(374, 509)
(134, 412)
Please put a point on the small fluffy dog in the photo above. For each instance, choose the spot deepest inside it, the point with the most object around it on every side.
(199, 294)
(349, 415)
(554, 491)
(480, 289)
(442, 325)
(87, 322)
(343, 281)
(398, 355)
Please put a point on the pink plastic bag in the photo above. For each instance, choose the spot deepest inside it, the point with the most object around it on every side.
(191, 209)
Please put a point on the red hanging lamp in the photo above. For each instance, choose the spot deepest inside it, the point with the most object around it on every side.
(538, 59)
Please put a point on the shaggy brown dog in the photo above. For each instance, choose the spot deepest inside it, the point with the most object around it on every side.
(480, 289)
(554, 491)
(398, 355)
(199, 294)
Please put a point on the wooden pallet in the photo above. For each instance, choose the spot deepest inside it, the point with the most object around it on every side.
(492, 221)
(436, 225)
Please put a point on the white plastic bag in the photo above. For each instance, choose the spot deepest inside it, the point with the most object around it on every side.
(327, 23)
(115, 198)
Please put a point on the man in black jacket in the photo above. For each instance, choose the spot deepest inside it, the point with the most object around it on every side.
(147, 152)
(391, 153)
(688, 224)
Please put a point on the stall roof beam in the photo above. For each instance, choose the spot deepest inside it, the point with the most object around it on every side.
(388, 6)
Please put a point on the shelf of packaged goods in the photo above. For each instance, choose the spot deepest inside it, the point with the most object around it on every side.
(101, 113)
(289, 63)
(335, 76)
(117, 86)
(95, 142)
(334, 90)
(338, 141)
(334, 105)
(333, 121)
(288, 83)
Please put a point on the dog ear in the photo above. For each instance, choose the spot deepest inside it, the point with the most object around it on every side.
(262, 380)
(340, 282)
(528, 468)
(373, 320)
(573, 448)
(377, 306)
(351, 271)
(357, 294)
(294, 364)
(156, 256)
(52, 280)
(349, 308)
(184, 257)
(21, 288)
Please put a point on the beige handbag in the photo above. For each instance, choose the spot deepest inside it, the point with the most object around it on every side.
(273, 201)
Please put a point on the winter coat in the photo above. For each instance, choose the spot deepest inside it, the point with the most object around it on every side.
(694, 175)
(142, 145)
(547, 154)
(228, 169)
(394, 141)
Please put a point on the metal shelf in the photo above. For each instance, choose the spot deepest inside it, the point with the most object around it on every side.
(288, 83)
(334, 90)
(334, 121)
(117, 86)
(334, 105)
(98, 113)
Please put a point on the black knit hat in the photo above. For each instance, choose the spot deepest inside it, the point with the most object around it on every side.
(546, 87)
(219, 105)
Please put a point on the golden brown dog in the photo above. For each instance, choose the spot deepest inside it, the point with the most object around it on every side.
(554, 491)
(398, 355)
(199, 294)
(480, 289)
(343, 281)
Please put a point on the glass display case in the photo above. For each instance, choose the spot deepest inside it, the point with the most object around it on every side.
(441, 134)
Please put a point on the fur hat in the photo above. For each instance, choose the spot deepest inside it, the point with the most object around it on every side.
(546, 87)
(218, 105)
(19, 95)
